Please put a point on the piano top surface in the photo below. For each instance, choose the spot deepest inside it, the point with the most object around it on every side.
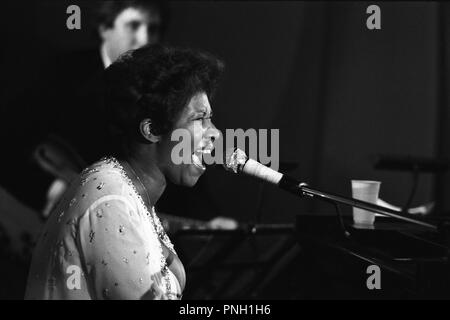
(388, 239)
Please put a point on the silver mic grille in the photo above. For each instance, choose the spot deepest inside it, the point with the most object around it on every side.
(235, 160)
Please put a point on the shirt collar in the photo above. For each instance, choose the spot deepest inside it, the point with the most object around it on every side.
(105, 58)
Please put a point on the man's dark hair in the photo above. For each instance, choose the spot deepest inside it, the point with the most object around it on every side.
(156, 82)
(107, 11)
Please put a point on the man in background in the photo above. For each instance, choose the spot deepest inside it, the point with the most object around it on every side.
(71, 109)
(120, 26)
(127, 25)
(45, 127)
(64, 106)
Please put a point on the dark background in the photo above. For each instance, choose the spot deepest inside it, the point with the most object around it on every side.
(338, 92)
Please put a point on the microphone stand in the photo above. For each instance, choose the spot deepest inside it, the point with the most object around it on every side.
(306, 190)
(237, 160)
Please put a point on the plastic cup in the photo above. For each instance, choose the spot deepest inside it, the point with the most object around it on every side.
(365, 190)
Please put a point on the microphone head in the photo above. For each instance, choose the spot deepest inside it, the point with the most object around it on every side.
(235, 160)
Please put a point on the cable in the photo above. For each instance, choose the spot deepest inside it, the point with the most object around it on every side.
(341, 220)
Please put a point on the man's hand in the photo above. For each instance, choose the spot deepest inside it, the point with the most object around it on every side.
(222, 223)
(420, 210)
(54, 193)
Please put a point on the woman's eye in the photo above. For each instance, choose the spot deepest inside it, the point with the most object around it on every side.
(203, 118)
(134, 25)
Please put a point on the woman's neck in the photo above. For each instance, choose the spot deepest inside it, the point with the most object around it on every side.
(147, 176)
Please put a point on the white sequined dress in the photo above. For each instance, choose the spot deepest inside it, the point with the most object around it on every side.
(102, 242)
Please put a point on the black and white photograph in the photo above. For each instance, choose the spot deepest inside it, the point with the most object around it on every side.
(252, 151)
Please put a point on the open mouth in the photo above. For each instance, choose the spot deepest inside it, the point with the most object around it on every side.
(197, 158)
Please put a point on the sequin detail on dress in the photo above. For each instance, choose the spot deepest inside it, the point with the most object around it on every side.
(154, 220)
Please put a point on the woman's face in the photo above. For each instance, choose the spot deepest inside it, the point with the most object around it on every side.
(195, 121)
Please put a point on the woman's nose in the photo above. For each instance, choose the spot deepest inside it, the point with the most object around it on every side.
(213, 133)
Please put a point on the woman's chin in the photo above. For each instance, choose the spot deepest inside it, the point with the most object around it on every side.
(191, 175)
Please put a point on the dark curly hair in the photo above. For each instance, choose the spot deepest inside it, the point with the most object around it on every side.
(156, 82)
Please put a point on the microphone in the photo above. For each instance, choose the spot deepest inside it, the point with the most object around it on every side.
(237, 161)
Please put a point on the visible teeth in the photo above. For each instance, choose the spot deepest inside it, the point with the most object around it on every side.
(203, 151)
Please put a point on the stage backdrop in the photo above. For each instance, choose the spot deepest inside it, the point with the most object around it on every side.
(337, 91)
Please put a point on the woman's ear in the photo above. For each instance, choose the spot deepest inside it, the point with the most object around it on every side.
(146, 130)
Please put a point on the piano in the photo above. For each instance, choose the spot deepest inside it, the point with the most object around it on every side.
(413, 261)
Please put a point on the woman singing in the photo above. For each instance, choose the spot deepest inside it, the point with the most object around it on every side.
(104, 239)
